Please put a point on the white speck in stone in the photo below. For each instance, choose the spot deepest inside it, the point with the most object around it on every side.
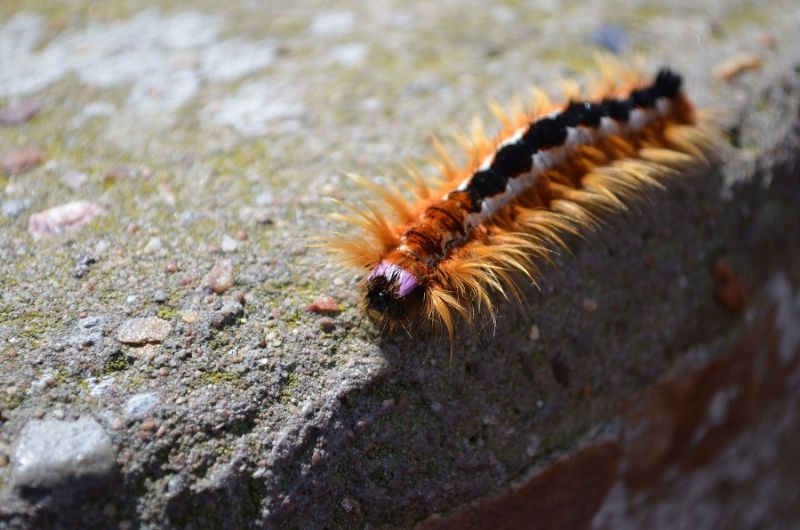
(165, 91)
(718, 406)
(332, 23)
(98, 387)
(189, 30)
(787, 314)
(264, 198)
(153, 245)
(98, 108)
(256, 107)
(534, 446)
(372, 104)
(74, 179)
(138, 406)
(351, 54)
(100, 247)
(234, 58)
(229, 244)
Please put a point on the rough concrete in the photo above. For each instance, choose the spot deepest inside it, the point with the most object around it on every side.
(211, 136)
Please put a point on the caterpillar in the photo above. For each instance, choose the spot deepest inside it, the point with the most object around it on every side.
(552, 171)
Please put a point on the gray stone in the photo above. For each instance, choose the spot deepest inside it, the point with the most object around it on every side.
(13, 208)
(53, 453)
(89, 331)
(220, 278)
(138, 331)
(138, 406)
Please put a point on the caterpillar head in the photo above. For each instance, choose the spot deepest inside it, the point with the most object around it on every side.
(393, 294)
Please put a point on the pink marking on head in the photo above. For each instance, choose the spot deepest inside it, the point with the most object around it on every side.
(405, 280)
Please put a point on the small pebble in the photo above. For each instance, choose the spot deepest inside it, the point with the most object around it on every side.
(82, 266)
(118, 173)
(589, 305)
(13, 208)
(241, 235)
(58, 414)
(52, 454)
(264, 218)
(534, 334)
(189, 317)
(19, 113)
(149, 425)
(226, 315)
(323, 304)
(18, 161)
(60, 219)
(730, 291)
(139, 405)
(138, 331)
(229, 244)
(159, 296)
(327, 324)
(220, 278)
(170, 267)
(74, 179)
(153, 245)
(89, 331)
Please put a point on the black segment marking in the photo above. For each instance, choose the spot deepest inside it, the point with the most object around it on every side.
(488, 182)
(618, 110)
(545, 133)
(644, 98)
(582, 113)
(517, 158)
(513, 159)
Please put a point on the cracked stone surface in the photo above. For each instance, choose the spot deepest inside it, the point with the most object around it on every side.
(210, 139)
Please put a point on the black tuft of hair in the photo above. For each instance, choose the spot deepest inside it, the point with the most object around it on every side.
(667, 84)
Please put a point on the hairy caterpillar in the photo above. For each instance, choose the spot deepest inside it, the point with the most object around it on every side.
(551, 171)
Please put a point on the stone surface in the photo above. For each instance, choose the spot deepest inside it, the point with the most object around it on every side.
(138, 331)
(60, 454)
(190, 123)
(704, 448)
